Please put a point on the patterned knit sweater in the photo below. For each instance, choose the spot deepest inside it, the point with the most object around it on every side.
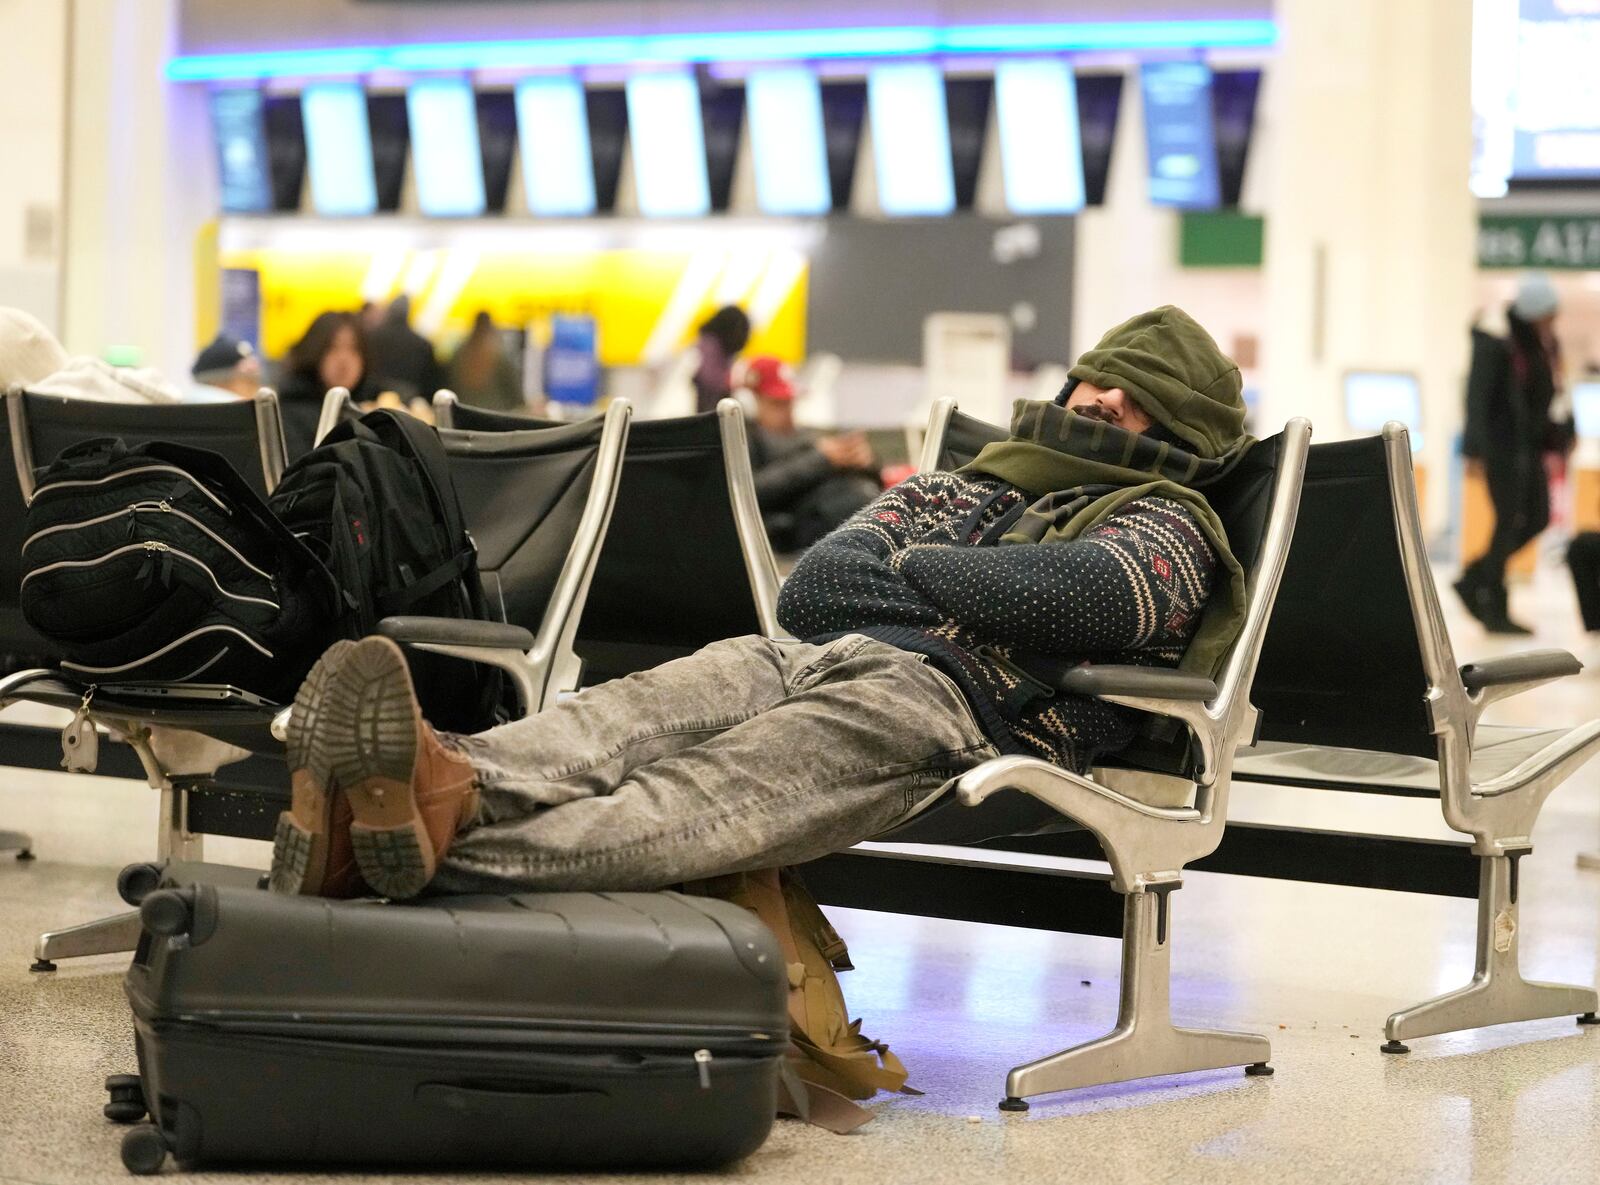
(919, 569)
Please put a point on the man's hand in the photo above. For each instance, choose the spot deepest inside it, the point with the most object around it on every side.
(848, 451)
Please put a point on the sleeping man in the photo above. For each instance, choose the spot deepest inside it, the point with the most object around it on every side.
(921, 624)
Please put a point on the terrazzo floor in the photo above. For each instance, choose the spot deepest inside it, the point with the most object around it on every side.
(1315, 967)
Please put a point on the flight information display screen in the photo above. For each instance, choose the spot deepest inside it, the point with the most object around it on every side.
(911, 140)
(1586, 409)
(1374, 397)
(669, 147)
(1180, 134)
(553, 131)
(787, 141)
(243, 163)
(1535, 92)
(339, 149)
(446, 162)
(1040, 153)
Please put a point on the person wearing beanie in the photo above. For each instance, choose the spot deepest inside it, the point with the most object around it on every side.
(923, 622)
(1510, 430)
(719, 340)
(230, 365)
(805, 485)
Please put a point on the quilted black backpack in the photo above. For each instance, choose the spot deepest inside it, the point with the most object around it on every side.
(376, 504)
(160, 563)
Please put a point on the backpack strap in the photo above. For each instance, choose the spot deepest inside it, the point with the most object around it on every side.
(424, 586)
(421, 441)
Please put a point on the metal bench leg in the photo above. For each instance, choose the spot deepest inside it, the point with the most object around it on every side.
(174, 843)
(174, 840)
(1145, 1044)
(1497, 994)
(18, 842)
(119, 932)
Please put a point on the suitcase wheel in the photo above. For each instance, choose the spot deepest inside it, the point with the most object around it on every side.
(167, 912)
(138, 881)
(144, 1150)
(127, 1099)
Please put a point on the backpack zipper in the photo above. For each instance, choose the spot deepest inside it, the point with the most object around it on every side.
(51, 486)
(128, 666)
(165, 508)
(152, 546)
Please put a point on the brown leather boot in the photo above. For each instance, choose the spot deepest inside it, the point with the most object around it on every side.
(409, 794)
(311, 852)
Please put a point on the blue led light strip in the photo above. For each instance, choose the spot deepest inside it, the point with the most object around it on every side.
(753, 46)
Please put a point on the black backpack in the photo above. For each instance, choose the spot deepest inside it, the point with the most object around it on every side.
(375, 503)
(159, 563)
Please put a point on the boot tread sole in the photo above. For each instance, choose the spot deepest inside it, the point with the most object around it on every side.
(375, 726)
(300, 842)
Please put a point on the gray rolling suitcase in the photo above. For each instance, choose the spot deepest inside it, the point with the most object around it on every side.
(617, 1030)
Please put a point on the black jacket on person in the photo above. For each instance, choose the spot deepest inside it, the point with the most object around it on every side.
(300, 401)
(1510, 388)
(801, 495)
(401, 360)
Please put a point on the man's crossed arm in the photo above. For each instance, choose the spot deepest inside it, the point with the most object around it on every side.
(1135, 581)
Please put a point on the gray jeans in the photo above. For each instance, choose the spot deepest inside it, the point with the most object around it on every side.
(748, 754)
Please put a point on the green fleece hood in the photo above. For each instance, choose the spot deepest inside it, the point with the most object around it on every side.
(1175, 372)
(1080, 470)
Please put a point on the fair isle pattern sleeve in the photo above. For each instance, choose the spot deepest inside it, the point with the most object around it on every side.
(846, 580)
(1137, 582)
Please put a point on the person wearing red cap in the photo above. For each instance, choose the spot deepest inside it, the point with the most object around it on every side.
(805, 486)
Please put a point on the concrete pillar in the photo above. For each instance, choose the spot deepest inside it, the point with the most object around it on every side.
(1370, 223)
(140, 185)
(32, 123)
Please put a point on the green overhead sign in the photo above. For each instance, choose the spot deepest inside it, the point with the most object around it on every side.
(1219, 238)
(1554, 243)
(1557, 242)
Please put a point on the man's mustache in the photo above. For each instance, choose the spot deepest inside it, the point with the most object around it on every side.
(1095, 411)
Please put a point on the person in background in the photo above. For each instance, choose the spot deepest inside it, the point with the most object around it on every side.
(230, 365)
(721, 338)
(482, 374)
(333, 353)
(31, 359)
(805, 486)
(1509, 432)
(399, 358)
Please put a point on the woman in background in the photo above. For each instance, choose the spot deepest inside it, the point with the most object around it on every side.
(482, 374)
(720, 339)
(333, 353)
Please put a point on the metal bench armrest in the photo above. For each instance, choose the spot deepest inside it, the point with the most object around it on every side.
(1144, 844)
(1528, 669)
(492, 643)
(1127, 682)
(456, 631)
